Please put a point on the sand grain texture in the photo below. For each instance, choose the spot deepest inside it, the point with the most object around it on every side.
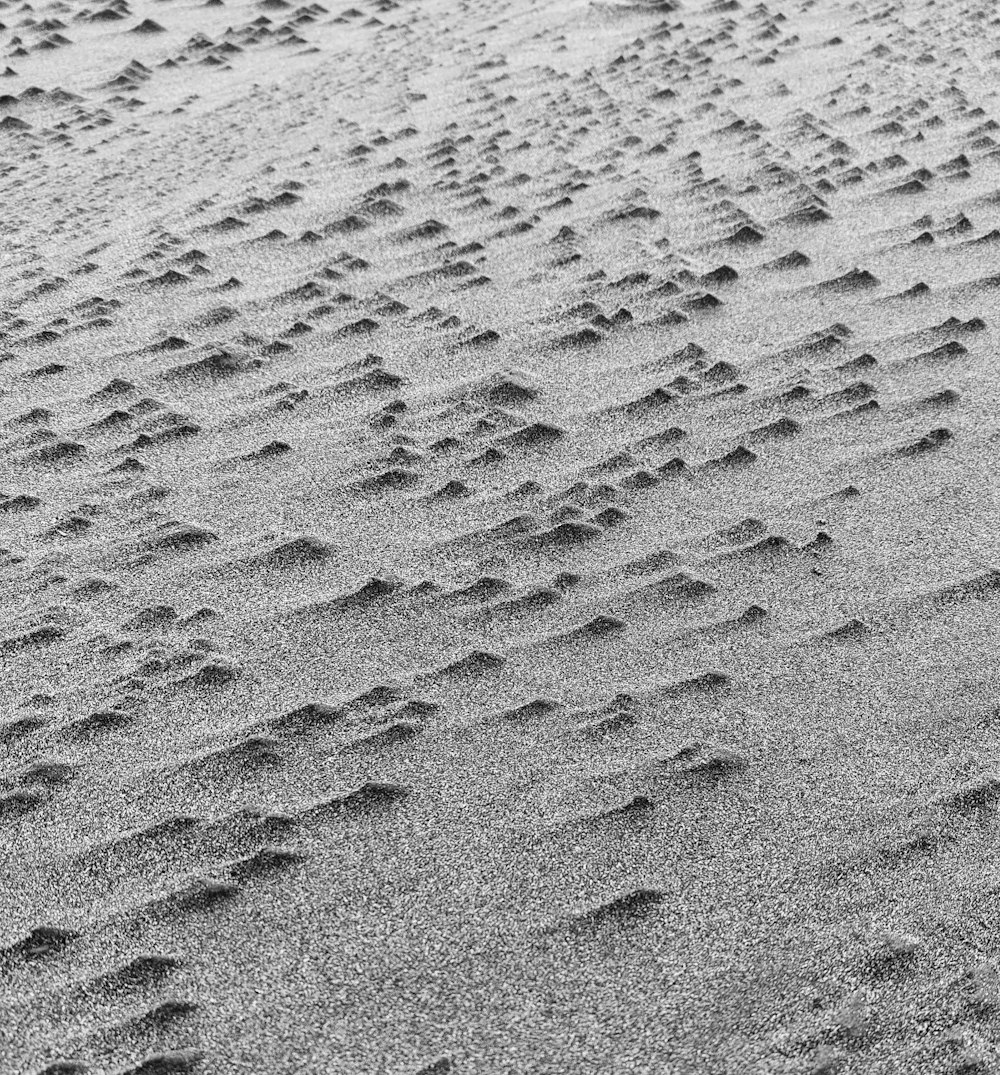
(499, 553)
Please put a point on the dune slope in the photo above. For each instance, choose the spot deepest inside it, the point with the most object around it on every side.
(499, 567)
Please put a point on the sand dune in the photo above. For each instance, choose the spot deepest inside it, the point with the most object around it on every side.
(499, 558)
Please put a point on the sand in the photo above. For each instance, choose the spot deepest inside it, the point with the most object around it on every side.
(499, 564)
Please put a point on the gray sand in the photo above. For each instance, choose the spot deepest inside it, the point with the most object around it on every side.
(499, 555)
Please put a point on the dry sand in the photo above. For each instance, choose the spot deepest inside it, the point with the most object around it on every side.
(499, 523)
